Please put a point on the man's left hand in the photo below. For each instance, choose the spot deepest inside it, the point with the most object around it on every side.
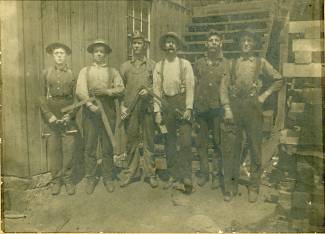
(66, 118)
(187, 114)
(261, 99)
(101, 92)
(143, 92)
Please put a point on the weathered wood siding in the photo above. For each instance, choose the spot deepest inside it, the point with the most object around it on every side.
(27, 27)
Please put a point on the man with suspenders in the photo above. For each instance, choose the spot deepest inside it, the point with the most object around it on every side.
(173, 81)
(58, 93)
(140, 122)
(105, 84)
(243, 107)
(209, 71)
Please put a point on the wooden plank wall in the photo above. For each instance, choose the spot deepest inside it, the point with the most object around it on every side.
(29, 27)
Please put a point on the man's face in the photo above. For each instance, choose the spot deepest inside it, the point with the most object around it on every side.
(214, 43)
(138, 46)
(99, 54)
(59, 55)
(171, 45)
(247, 44)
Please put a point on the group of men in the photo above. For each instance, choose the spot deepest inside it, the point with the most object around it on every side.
(144, 97)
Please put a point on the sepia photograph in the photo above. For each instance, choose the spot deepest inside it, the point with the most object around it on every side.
(162, 116)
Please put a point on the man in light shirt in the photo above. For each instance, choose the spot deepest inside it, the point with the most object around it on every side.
(173, 81)
(104, 83)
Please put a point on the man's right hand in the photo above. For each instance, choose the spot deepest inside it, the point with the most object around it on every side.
(94, 109)
(158, 118)
(228, 117)
(124, 112)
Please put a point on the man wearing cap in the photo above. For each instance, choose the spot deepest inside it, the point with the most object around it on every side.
(105, 83)
(173, 81)
(59, 87)
(140, 124)
(244, 108)
(209, 71)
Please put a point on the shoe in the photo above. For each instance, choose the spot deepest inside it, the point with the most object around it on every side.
(215, 182)
(169, 183)
(70, 188)
(202, 180)
(188, 185)
(90, 186)
(252, 195)
(56, 188)
(153, 182)
(227, 197)
(125, 183)
(109, 186)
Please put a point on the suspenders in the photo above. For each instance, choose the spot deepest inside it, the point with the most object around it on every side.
(181, 74)
(109, 73)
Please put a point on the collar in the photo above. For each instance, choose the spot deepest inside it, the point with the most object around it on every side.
(64, 68)
(99, 65)
(219, 58)
(250, 58)
(144, 59)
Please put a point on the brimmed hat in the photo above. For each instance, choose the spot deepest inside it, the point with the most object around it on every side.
(99, 42)
(49, 49)
(170, 34)
(212, 32)
(139, 35)
(248, 32)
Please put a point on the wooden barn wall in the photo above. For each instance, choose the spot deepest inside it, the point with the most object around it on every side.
(26, 28)
(167, 16)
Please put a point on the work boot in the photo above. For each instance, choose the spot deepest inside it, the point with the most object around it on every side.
(153, 182)
(90, 186)
(56, 188)
(252, 195)
(228, 196)
(70, 188)
(169, 183)
(202, 180)
(125, 183)
(215, 182)
(188, 185)
(109, 185)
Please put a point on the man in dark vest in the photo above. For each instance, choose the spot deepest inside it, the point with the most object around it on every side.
(243, 106)
(105, 84)
(59, 87)
(209, 71)
(140, 121)
(173, 81)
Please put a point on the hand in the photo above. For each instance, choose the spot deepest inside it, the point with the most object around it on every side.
(53, 119)
(124, 112)
(94, 109)
(158, 118)
(66, 118)
(261, 99)
(187, 114)
(143, 92)
(228, 117)
(101, 91)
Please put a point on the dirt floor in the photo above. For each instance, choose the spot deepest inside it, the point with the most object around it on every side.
(139, 208)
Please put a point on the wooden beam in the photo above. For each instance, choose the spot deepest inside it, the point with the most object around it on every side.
(265, 19)
(303, 57)
(312, 45)
(222, 31)
(310, 70)
(303, 26)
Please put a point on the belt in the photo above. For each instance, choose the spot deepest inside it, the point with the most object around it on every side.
(62, 97)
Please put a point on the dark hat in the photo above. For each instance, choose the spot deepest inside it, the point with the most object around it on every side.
(170, 34)
(99, 42)
(49, 49)
(212, 32)
(248, 32)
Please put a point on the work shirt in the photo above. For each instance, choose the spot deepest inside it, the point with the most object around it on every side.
(244, 82)
(136, 73)
(208, 76)
(100, 76)
(59, 87)
(171, 84)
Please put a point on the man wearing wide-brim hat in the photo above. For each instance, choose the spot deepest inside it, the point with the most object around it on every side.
(59, 86)
(105, 83)
(243, 107)
(173, 81)
(139, 122)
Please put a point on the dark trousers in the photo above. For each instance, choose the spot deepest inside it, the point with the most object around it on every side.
(61, 148)
(94, 136)
(179, 164)
(209, 120)
(247, 117)
(140, 130)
